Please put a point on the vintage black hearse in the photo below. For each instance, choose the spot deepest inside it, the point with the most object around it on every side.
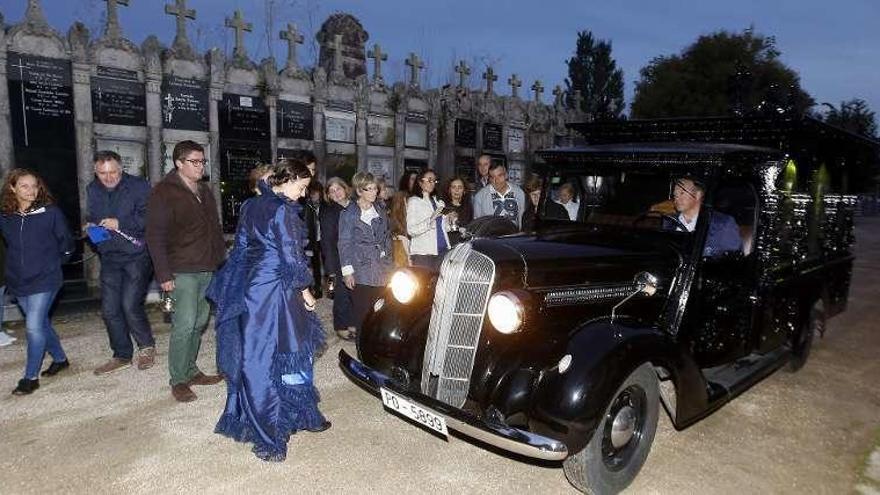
(561, 344)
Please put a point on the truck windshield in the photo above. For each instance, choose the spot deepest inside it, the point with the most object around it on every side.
(634, 199)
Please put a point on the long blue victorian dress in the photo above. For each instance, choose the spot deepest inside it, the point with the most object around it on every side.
(266, 339)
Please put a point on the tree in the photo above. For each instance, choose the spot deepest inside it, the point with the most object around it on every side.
(720, 74)
(853, 115)
(594, 73)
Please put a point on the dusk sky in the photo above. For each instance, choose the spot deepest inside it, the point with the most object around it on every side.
(835, 46)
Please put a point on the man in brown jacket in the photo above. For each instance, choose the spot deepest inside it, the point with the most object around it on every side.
(186, 245)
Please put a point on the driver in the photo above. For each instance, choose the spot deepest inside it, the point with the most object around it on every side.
(687, 195)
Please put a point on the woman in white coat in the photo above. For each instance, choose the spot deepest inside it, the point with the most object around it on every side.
(427, 222)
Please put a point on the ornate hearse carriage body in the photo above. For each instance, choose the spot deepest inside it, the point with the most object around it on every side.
(561, 344)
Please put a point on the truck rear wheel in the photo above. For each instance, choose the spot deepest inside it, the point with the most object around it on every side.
(622, 441)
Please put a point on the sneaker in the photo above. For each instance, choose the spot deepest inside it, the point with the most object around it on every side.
(146, 358)
(56, 367)
(6, 339)
(203, 379)
(114, 364)
(26, 387)
(182, 393)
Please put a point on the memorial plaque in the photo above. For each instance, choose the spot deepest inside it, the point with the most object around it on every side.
(465, 167)
(381, 167)
(243, 118)
(492, 139)
(412, 165)
(237, 161)
(40, 101)
(118, 97)
(340, 126)
(184, 104)
(295, 120)
(465, 133)
(342, 166)
(516, 172)
(133, 155)
(380, 130)
(416, 134)
(516, 140)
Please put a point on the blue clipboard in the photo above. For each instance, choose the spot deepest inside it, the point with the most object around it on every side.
(98, 234)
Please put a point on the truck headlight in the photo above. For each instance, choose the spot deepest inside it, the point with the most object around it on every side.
(404, 286)
(506, 312)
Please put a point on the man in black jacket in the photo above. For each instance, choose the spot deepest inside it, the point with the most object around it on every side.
(117, 203)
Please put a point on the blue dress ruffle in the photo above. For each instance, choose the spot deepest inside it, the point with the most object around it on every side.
(266, 340)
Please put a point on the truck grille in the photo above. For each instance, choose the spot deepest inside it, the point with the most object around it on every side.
(460, 301)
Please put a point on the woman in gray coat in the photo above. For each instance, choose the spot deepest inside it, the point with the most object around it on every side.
(364, 247)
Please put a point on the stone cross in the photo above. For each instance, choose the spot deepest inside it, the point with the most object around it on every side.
(557, 95)
(538, 88)
(378, 57)
(336, 46)
(515, 84)
(111, 30)
(463, 72)
(237, 23)
(490, 78)
(414, 66)
(182, 13)
(34, 13)
(293, 38)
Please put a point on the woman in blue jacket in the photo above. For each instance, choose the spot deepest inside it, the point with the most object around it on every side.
(38, 242)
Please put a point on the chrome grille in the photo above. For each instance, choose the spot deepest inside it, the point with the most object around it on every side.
(460, 301)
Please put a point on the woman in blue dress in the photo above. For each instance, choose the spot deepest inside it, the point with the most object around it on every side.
(267, 331)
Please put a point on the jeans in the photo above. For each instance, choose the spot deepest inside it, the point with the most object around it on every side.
(191, 312)
(123, 290)
(41, 337)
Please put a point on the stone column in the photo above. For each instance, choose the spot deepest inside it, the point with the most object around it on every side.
(82, 111)
(7, 153)
(272, 105)
(154, 128)
(216, 94)
(398, 161)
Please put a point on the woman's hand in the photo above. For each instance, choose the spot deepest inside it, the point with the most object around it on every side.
(349, 281)
(309, 300)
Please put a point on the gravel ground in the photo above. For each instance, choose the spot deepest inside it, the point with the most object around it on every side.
(810, 432)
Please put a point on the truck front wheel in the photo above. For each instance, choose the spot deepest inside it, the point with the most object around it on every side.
(620, 445)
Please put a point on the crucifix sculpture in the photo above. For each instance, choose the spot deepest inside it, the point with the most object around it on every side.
(293, 38)
(538, 88)
(557, 95)
(111, 29)
(463, 72)
(515, 84)
(414, 65)
(490, 78)
(378, 57)
(182, 13)
(240, 26)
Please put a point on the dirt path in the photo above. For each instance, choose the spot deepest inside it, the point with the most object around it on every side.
(810, 432)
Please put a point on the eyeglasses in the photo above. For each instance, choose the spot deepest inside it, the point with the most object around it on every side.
(680, 187)
(432, 181)
(196, 162)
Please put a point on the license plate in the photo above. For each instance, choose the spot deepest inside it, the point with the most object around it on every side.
(414, 412)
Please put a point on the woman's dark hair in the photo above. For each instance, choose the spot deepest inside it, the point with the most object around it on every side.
(8, 201)
(403, 184)
(447, 189)
(417, 187)
(288, 169)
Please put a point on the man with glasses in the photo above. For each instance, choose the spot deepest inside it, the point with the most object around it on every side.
(186, 243)
(723, 237)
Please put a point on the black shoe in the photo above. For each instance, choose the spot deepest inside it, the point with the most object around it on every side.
(56, 367)
(321, 427)
(26, 387)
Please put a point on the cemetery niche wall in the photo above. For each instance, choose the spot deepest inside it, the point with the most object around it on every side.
(62, 97)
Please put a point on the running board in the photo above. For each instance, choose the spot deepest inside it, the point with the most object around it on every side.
(728, 381)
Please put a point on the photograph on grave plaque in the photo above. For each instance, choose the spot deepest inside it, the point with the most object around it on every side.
(465, 133)
(381, 166)
(184, 104)
(295, 120)
(492, 137)
(339, 126)
(133, 154)
(342, 166)
(516, 140)
(515, 172)
(118, 97)
(244, 118)
(380, 130)
(40, 101)
(416, 134)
